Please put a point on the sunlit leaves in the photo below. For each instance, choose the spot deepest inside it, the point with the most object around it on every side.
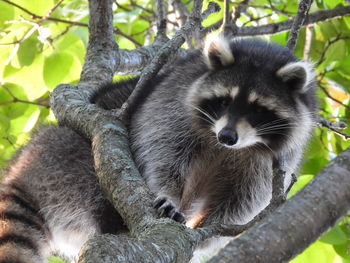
(60, 67)
(302, 181)
(6, 13)
(36, 55)
(317, 253)
(55, 260)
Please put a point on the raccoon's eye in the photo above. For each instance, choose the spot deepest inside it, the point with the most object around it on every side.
(224, 102)
(259, 109)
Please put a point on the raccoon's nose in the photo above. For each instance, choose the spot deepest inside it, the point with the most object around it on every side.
(227, 137)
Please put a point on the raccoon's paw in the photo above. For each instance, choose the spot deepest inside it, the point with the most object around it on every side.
(166, 208)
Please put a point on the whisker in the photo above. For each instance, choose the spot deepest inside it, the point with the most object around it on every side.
(204, 113)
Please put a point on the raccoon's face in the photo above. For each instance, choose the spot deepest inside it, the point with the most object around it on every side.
(242, 119)
(243, 103)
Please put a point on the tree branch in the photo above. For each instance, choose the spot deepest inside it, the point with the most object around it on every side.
(329, 125)
(275, 28)
(298, 21)
(292, 227)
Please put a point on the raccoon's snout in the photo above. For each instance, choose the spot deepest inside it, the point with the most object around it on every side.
(227, 137)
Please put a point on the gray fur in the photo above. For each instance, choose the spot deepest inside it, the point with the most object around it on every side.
(54, 174)
(175, 153)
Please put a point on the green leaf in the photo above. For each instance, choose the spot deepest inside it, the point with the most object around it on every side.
(27, 51)
(343, 250)
(335, 236)
(281, 39)
(73, 45)
(61, 67)
(333, 3)
(38, 7)
(29, 77)
(340, 79)
(343, 65)
(55, 260)
(316, 253)
(314, 165)
(25, 122)
(321, 4)
(6, 13)
(4, 123)
(302, 181)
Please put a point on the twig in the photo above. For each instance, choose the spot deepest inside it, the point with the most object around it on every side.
(303, 9)
(133, 3)
(49, 13)
(329, 125)
(256, 19)
(26, 36)
(119, 32)
(41, 102)
(15, 100)
(35, 16)
(328, 45)
(332, 98)
(271, 7)
(73, 23)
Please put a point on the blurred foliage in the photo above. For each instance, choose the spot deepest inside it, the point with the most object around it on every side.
(42, 44)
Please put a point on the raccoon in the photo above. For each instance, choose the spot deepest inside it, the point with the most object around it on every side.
(204, 139)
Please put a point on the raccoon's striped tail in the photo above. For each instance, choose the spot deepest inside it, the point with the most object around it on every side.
(23, 236)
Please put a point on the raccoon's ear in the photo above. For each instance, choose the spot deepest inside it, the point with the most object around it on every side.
(298, 75)
(217, 51)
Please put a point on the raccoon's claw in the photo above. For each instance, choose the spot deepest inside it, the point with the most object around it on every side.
(167, 209)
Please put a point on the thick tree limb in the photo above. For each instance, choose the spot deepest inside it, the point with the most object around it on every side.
(298, 222)
(124, 187)
(303, 10)
(116, 171)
